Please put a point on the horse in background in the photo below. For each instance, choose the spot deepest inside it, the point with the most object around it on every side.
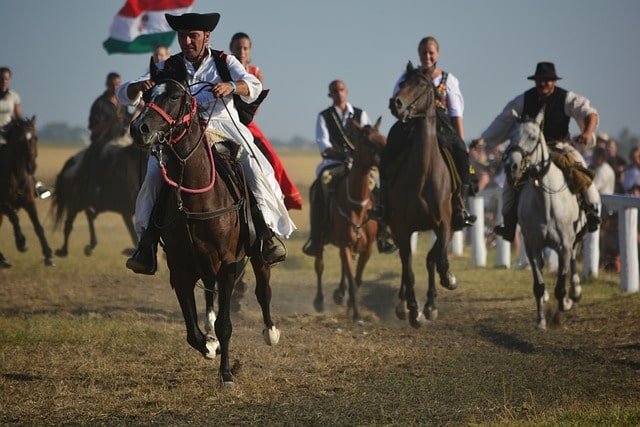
(122, 166)
(350, 227)
(17, 186)
(548, 213)
(419, 192)
(200, 219)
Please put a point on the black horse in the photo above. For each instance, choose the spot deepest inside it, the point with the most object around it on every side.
(17, 186)
(119, 173)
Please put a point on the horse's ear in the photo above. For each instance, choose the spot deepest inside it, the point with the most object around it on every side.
(409, 67)
(378, 123)
(540, 116)
(356, 124)
(33, 120)
(153, 69)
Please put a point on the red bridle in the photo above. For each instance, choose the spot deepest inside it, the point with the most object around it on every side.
(173, 122)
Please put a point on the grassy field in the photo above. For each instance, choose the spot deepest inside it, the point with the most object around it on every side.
(86, 342)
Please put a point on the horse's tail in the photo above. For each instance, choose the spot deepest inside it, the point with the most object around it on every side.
(61, 193)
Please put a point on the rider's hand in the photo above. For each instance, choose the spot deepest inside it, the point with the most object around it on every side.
(584, 138)
(476, 142)
(220, 90)
(135, 88)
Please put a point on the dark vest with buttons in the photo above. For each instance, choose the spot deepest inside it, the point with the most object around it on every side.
(334, 126)
(556, 122)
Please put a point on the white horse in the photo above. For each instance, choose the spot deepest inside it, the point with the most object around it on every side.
(548, 213)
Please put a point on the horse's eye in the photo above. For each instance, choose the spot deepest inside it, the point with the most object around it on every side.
(175, 97)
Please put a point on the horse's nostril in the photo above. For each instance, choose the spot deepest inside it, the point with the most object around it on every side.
(144, 128)
(398, 103)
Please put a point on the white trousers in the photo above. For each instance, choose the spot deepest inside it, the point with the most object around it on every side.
(258, 171)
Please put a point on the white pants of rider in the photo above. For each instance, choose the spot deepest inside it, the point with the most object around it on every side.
(590, 195)
(260, 179)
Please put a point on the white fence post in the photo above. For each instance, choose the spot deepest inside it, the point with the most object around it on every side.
(457, 243)
(591, 255)
(503, 247)
(478, 244)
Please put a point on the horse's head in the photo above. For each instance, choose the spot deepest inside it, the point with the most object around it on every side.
(526, 148)
(22, 143)
(167, 115)
(368, 143)
(416, 95)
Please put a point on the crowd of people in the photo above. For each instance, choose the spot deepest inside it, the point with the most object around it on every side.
(273, 189)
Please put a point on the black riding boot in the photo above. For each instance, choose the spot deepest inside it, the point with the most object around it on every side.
(593, 218)
(461, 217)
(380, 211)
(313, 246)
(272, 249)
(144, 260)
(507, 230)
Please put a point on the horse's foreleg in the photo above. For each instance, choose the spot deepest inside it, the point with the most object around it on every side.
(20, 239)
(183, 284)
(226, 280)
(46, 250)
(271, 334)
(416, 318)
(564, 259)
(346, 258)
(535, 261)
(341, 290)
(363, 259)
(68, 227)
(575, 292)
(209, 298)
(88, 250)
(318, 301)
(430, 309)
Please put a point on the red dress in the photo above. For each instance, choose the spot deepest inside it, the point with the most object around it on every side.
(292, 197)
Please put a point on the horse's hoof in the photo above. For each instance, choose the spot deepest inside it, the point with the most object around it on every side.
(271, 336)
(338, 296)
(401, 310)
(541, 325)
(449, 281)
(213, 347)
(358, 321)
(4, 264)
(431, 313)
(88, 250)
(566, 305)
(49, 262)
(61, 253)
(226, 381)
(22, 246)
(318, 303)
(575, 293)
(417, 321)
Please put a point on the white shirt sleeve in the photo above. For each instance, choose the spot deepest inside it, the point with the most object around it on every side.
(364, 119)
(578, 107)
(322, 134)
(121, 91)
(238, 72)
(455, 101)
(501, 127)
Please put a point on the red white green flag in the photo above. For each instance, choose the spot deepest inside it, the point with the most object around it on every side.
(140, 25)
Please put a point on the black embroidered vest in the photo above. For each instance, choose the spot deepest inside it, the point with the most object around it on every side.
(336, 131)
(556, 122)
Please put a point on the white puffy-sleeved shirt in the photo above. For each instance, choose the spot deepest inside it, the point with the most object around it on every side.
(455, 100)
(210, 107)
(575, 106)
(8, 106)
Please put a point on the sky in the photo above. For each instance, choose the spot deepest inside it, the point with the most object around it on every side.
(59, 66)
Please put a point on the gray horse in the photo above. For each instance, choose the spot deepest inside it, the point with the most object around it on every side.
(548, 213)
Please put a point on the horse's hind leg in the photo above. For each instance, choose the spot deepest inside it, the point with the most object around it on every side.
(63, 251)
(88, 250)
(46, 250)
(210, 316)
(3, 262)
(564, 302)
(20, 239)
(575, 292)
(346, 259)
(271, 334)
(318, 301)
(226, 280)
(341, 290)
(535, 260)
(430, 310)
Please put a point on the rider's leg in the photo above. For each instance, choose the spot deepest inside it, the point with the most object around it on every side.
(509, 213)
(590, 204)
(461, 217)
(143, 260)
(316, 217)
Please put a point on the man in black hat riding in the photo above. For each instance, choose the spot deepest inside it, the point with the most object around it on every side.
(201, 64)
(559, 106)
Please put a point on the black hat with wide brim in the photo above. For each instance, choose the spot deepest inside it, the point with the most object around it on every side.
(193, 21)
(545, 71)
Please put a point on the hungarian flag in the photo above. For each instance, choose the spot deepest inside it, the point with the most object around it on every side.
(140, 25)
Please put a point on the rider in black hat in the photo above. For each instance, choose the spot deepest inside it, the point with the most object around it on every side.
(560, 106)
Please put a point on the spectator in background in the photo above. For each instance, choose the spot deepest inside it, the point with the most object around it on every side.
(160, 53)
(617, 162)
(605, 179)
(631, 175)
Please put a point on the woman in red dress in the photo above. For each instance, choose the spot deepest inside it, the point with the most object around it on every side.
(240, 47)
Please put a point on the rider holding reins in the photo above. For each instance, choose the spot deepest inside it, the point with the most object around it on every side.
(559, 106)
(217, 108)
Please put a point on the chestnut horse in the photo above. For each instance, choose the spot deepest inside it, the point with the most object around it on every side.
(351, 228)
(17, 186)
(200, 219)
(419, 192)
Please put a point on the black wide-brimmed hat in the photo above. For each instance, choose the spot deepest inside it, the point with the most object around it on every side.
(545, 71)
(193, 21)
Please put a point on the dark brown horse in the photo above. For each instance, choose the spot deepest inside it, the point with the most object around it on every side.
(201, 219)
(17, 165)
(119, 173)
(351, 229)
(419, 192)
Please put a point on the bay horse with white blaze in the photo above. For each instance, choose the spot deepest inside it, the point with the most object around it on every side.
(351, 229)
(419, 192)
(200, 219)
(17, 186)
(548, 213)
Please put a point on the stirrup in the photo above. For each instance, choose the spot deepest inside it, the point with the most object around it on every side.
(139, 265)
